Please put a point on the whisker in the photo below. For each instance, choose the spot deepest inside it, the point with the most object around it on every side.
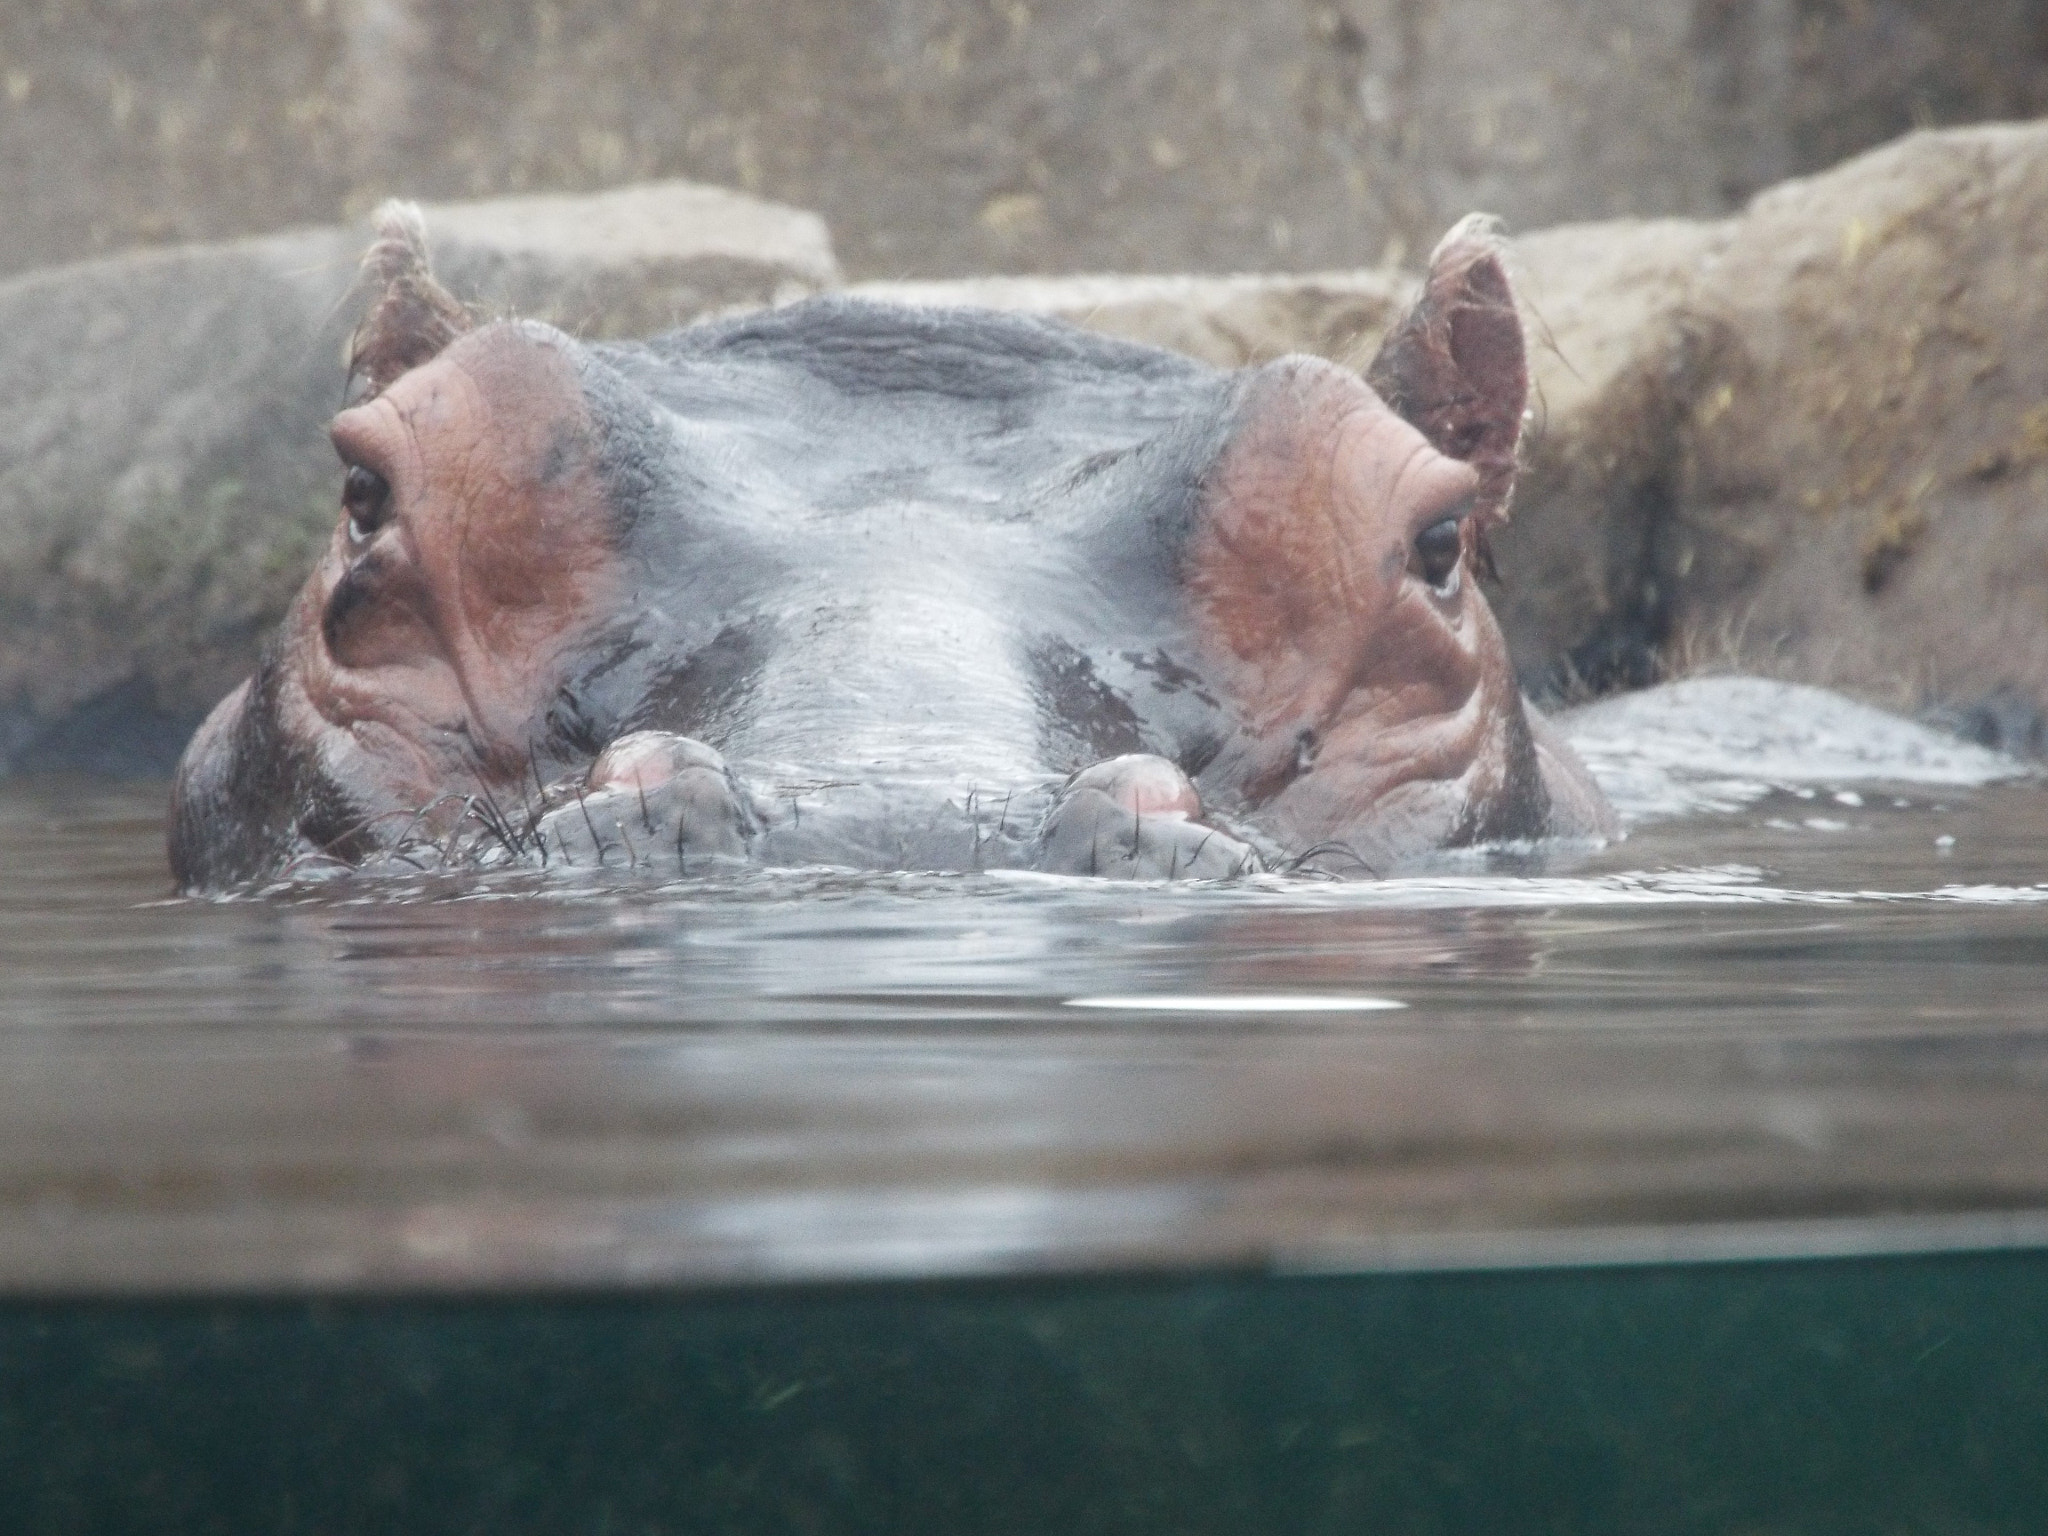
(499, 823)
(595, 841)
(1296, 864)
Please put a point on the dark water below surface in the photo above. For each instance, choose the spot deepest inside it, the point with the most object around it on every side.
(1809, 1023)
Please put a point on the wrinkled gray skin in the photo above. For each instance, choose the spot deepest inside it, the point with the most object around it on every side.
(850, 584)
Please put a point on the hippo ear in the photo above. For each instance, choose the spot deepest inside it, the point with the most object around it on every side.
(411, 317)
(1454, 366)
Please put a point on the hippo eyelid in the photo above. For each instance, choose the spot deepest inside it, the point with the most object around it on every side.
(1456, 511)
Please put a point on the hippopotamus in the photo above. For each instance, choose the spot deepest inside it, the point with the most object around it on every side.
(858, 584)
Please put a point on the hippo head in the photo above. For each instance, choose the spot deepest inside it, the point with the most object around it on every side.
(1236, 610)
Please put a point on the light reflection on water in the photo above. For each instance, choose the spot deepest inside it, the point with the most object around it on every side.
(1778, 1025)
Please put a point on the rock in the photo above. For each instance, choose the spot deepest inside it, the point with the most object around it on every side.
(165, 479)
(1808, 441)
(1228, 321)
(162, 485)
(1598, 303)
(942, 137)
(630, 262)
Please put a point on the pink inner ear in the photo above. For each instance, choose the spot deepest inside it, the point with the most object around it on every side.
(411, 316)
(1455, 366)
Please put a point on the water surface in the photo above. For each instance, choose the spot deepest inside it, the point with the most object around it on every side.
(1798, 1014)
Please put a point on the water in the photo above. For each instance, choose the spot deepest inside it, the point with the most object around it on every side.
(1797, 1011)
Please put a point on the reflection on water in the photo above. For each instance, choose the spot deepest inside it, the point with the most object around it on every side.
(1812, 1022)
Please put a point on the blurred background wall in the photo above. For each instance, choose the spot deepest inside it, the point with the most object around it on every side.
(963, 136)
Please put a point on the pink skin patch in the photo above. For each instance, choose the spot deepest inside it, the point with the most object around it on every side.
(1143, 785)
(476, 581)
(640, 761)
(1354, 677)
(646, 760)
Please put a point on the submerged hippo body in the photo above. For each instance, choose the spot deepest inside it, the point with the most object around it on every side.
(856, 584)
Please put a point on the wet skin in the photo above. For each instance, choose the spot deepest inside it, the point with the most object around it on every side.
(853, 584)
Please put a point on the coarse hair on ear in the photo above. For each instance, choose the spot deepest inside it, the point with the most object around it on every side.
(411, 317)
(1455, 369)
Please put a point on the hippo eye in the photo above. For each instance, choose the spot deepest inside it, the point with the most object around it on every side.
(1438, 549)
(366, 497)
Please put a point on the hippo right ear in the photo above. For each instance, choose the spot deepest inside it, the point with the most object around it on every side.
(411, 317)
(1454, 367)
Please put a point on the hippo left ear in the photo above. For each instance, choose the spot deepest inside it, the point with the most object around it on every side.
(411, 317)
(1454, 367)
